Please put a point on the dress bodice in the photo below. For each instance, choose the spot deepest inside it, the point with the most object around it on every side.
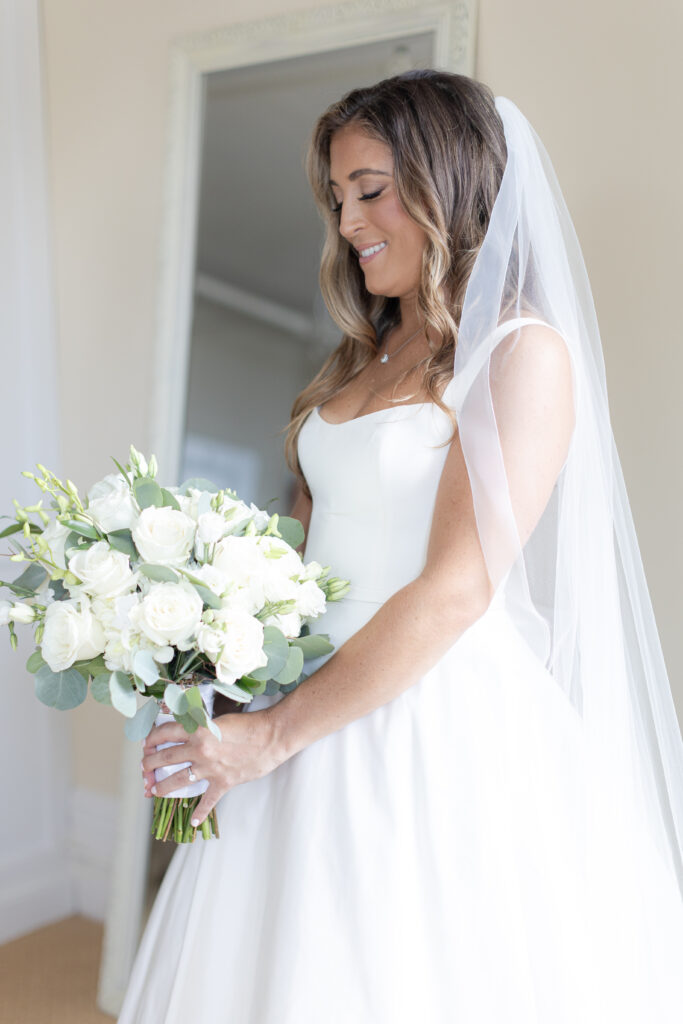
(374, 480)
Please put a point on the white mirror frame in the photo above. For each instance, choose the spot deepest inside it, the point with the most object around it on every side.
(453, 25)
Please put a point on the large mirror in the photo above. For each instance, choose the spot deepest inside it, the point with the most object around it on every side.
(242, 324)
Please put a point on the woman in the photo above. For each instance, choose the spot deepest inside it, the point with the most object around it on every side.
(471, 811)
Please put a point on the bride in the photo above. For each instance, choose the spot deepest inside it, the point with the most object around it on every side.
(472, 811)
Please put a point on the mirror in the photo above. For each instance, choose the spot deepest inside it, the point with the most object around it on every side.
(243, 326)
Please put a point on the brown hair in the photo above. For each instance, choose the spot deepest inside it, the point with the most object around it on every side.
(449, 154)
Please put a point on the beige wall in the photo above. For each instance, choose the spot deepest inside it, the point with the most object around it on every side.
(600, 83)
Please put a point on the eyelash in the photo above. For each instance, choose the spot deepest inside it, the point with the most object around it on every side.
(369, 195)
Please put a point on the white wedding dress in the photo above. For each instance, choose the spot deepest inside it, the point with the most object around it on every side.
(423, 863)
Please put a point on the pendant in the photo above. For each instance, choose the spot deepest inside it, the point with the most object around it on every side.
(384, 358)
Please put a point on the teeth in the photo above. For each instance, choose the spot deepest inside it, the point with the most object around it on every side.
(373, 248)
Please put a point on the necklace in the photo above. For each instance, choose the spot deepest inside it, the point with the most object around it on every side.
(386, 356)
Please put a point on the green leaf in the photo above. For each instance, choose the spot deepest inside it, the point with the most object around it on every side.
(170, 499)
(160, 573)
(137, 727)
(93, 667)
(174, 697)
(214, 729)
(253, 686)
(122, 694)
(84, 529)
(61, 690)
(187, 721)
(291, 530)
(207, 596)
(147, 492)
(9, 530)
(315, 645)
(293, 667)
(276, 649)
(122, 540)
(100, 688)
(121, 470)
(194, 697)
(232, 690)
(35, 662)
(145, 667)
(29, 580)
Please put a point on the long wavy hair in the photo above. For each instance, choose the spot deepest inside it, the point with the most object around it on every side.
(449, 154)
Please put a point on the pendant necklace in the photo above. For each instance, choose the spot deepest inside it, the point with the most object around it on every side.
(386, 356)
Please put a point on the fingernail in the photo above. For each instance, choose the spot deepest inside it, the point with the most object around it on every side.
(154, 790)
(195, 822)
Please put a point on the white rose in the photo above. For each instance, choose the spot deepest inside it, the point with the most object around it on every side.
(310, 599)
(111, 505)
(122, 639)
(72, 633)
(169, 614)
(54, 535)
(164, 536)
(242, 562)
(277, 586)
(234, 642)
(22, 613)
(102, 571)
(285, 557)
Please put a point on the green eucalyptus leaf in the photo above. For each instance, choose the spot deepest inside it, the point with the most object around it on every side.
(100, 688)
(291, 530)
(93, 667)
(276, 649)
(293, 666)
(176, 699)
(170, 499)
(35, 662)
(62, 690)
(122, 694)
(145, 667)
(159, 573)
(199, 484)
(214, 729)
(29, 580)
(252, 685)
(314, 645)
(122, 540)
(137, 727)
(187, 721)
(208, 597)
(232, 690)
(147, 492)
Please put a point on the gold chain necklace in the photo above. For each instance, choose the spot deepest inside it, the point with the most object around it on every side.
(387, 356)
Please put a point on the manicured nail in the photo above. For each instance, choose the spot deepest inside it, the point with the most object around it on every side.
(154, 790)
(194, 822)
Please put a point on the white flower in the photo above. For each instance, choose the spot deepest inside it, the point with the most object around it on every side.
(22, 613)
(169, 614)
(211, 527)
(261, 518)
(103, 572)
(278, 587)
(312, 570)
(54, 535)
(288, 561)
(5, 607)
(122, 639)
(234, 510)
(310, 599)
(164, 536)
(234, 642)
(72, 633)
(242, 562)
(288, 622)
(212, 578)
(111, 505)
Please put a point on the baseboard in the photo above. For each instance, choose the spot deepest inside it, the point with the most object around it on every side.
(92, 842)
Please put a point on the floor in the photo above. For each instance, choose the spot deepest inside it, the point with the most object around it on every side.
(50, 975)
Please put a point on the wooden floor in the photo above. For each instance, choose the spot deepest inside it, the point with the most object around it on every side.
(50, 976)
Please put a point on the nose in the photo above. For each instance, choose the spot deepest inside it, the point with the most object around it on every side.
(351, 219)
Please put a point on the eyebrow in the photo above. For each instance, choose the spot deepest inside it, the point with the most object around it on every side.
(363, 170)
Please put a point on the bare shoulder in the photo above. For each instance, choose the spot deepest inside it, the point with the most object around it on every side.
(534, 348)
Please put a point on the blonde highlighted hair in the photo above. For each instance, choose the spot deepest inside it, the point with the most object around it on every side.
(448, 148)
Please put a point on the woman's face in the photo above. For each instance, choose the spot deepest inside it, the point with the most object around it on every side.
(371, 215)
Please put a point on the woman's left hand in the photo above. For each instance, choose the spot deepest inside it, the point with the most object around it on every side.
(247, 751)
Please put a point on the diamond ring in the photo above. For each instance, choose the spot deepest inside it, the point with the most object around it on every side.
(191, 775)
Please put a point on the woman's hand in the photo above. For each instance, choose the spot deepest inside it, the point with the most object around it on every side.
(247, 751)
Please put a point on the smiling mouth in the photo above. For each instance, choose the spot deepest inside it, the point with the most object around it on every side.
(365, 255)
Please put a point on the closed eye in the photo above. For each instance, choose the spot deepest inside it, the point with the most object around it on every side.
(369, 195)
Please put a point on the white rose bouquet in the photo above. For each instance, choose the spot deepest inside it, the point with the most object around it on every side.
(157, 598)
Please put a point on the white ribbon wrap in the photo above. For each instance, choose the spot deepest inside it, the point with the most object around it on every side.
(201, 785)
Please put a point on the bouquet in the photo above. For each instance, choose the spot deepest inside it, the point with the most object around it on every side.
(157, 598)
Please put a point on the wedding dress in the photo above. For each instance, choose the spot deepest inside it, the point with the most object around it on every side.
(426, 861)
